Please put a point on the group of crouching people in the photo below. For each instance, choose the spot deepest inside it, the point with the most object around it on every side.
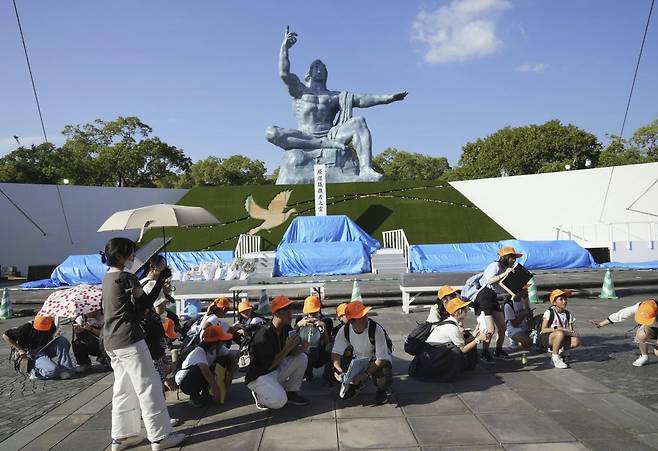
(278, 354)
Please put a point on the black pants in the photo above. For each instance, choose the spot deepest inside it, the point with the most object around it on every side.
(85, 344)
(194, 384)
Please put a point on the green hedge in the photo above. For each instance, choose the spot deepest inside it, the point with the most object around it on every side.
(428, 213)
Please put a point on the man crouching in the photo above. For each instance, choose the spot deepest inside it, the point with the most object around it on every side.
(278, 362)
(371, 352)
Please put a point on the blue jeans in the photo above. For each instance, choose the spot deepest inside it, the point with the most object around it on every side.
(51, 361)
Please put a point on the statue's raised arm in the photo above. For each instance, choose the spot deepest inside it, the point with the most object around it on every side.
(292, 82)
(368, 100)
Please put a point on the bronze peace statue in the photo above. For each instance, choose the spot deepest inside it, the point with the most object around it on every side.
(327, 132)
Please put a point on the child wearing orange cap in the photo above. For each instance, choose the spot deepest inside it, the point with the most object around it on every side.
(557, 329)
(438, 310)
(49, 355)
(486, 301)
(645, 313)
(449, 351)
(315, 330)
(196, 376)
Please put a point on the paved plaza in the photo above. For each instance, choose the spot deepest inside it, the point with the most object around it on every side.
(601, 403)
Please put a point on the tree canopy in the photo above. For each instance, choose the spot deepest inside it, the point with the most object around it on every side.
(397, 164)
(234, 170)
(528, 150)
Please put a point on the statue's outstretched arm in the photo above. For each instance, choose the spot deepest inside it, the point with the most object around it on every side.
(292, 82)
(368, 100)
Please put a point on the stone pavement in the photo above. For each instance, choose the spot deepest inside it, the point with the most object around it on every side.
(29, 399)
(601, 403)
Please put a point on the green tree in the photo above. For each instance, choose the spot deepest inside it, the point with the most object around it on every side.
(234, 170)
(44, 163)
(642, 147)
(397, 164)
(121, 153)
(528, 150)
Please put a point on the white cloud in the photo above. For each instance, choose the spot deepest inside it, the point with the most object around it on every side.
(530, 67)
(462, 30)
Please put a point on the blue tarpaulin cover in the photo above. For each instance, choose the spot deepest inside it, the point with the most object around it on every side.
(474, 257)
(313, 259)
(88, 269)
(324, 229)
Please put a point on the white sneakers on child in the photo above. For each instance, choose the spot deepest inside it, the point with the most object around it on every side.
(558, 362)
(641, 360)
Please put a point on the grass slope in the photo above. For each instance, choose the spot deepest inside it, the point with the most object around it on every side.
(428, 213)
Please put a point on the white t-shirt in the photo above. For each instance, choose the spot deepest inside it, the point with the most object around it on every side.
(147, 286)
(559, 319)
(198, 355)
(447, 333)
(512, 311)
(361, 344)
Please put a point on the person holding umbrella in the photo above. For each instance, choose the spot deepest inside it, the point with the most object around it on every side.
(137, 391)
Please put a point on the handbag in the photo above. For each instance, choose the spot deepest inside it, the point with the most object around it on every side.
(22, 362)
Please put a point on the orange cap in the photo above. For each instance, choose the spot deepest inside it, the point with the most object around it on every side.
(312, 304)
(445, 290)
(243, 306)
(280, 302)
(646, 314)
(557, 293)
(222, 303)
(455, 304)
(356, 310)
(42, 323)
(213, 334)
(168, 326)
(340, 310)
(508, 250)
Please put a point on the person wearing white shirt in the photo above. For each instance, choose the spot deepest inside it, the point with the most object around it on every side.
(375, 348)
(558, 333)
(518, 314)
(438, 310)
(451, 331)
(196, 376)
(487, 301)
(645, 313)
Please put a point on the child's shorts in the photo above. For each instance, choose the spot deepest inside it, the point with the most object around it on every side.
(487, 301)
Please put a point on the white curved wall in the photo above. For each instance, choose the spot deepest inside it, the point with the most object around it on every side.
(535, 207)
(86, 207)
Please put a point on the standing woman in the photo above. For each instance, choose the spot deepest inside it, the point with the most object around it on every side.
(137, 387)
(487, 303)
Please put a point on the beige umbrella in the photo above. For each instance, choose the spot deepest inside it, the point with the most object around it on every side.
(160, 215)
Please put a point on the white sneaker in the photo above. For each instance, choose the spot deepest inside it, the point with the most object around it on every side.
(169, 441)
(259, 406)
(558, 362)
(127, 442)
(641, 360)
(175, 422)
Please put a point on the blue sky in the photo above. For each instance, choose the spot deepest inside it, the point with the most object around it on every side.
(204, 74)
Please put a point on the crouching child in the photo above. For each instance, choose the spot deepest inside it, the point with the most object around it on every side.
(198, 374)
(368, 340)
(450, 349)
(557, 330)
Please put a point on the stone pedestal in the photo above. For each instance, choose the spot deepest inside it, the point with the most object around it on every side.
(342, 167)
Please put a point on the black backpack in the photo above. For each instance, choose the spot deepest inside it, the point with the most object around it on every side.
(415, 342)
(246, 346)
(178, 364)
(372, 327)
(538, 320)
